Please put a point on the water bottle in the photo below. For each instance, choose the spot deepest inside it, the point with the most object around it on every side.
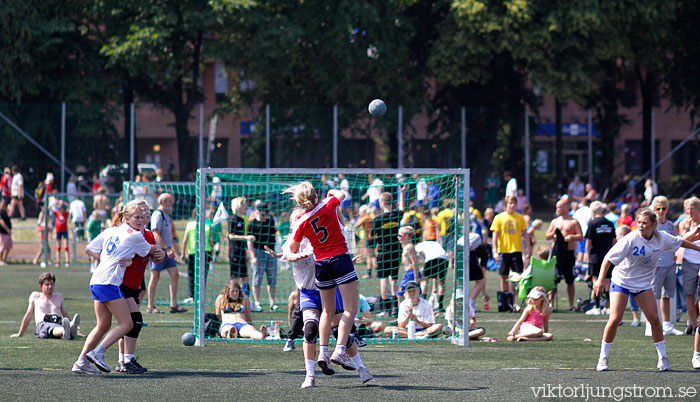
(394, 333)
(486, 306)
(277, 330)
(271, 329)
(411, 327)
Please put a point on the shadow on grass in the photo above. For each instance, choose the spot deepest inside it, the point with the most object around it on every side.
(413, 388)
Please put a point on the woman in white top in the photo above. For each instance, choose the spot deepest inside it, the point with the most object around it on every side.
(691, 261)
(115, 247)
(636, 257)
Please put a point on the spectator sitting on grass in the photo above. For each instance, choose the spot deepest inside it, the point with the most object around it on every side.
(415, 308)
(365, 323)
(534, 322)
(457, 323)
(49, 312)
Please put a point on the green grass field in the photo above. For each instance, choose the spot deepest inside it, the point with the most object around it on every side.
(33, 369)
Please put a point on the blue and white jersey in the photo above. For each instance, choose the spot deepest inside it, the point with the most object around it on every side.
(636, 258)
(114, 244)
(304, 269)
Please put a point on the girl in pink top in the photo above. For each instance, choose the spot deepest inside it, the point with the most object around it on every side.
(534, 323)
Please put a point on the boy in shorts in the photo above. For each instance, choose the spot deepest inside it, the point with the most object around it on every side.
(49, 312)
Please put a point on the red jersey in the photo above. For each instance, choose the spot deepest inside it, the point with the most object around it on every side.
(5, 184)
(323, 229)
(134, 272)
(61, 221)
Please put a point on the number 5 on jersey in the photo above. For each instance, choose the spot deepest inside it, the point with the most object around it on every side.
(322, 230)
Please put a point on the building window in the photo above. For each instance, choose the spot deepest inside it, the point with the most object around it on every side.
(220, 81)
(686, 159)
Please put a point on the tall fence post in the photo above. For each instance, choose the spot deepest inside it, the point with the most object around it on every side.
(132, 141)
(63, 147)
(590, 146)
(464, 137)
(335, 136)
(400, 138)
(267, 136)
(527, 153)
(653, 148)
(201, 140)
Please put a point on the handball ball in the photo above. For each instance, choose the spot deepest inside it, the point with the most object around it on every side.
(377, 107)
(188, 339)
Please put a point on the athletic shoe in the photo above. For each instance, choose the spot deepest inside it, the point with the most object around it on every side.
(98, 359)
(131, 368)
(289, 346)
(120, 368)
(188, 300)
(256, 308)
(74, 326)
(672, 331)
(664, 364)
(594, 311)
(696, 362)
(689, 330)
(342, 360)
(309, 382)
(135, 363)
(636, 324)
(84, 368)
(365, 375)
(602, 364)
(325, 364)
(274, 307)
(66, 328)
(361, 343)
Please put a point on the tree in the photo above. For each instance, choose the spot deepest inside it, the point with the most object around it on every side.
(311, 55)
(159, 46)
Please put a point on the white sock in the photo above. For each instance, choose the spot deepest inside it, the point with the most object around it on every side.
(357, 360)
(128, 357)
(661, 348)
(340, 349)
(605, 348)
(99, 349)
(121, 357)
(310, 365)
(696, 354)
(324, 350)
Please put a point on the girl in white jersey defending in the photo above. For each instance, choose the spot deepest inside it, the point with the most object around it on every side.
(334, 268)
(636, 257)
(310, 305)
(115, 247)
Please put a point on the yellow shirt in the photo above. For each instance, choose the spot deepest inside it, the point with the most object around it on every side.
(509, 228)
(475, 212)
(444, 217)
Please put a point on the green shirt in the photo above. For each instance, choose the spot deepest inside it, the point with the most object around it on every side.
(94, 228)
(191, 233)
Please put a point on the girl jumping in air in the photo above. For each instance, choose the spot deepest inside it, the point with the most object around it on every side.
(334, 268)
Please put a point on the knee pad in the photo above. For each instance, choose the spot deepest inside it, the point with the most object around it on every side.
(137, 320)
(310, 331)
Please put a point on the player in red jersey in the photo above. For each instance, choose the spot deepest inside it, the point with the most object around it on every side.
(334, 268)
(130, 287)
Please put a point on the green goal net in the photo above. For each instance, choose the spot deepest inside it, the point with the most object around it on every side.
(249, 202)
